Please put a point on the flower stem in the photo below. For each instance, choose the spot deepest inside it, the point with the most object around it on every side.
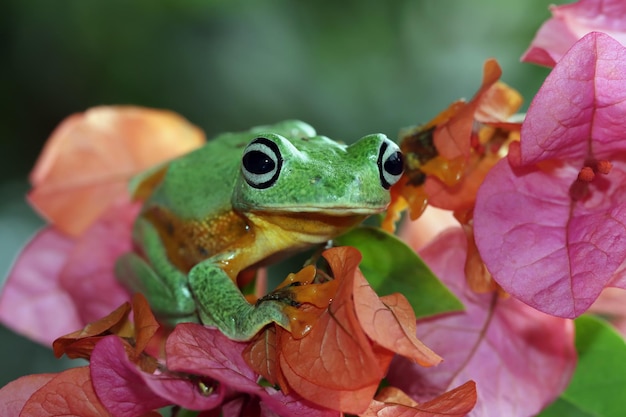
(186, 413)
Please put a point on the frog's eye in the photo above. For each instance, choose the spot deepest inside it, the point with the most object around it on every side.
(261, 163)
(390, 165)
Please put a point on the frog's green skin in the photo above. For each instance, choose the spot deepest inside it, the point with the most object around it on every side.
(210, 217)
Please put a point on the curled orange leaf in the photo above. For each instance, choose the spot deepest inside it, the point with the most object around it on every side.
(303, 288)
(146, 325)
(341, 359)
(89, 159)
(308, 299)
(337, 336)
(80, 344)
(476, 273)
(452, 138)
(334, 365)
(390, 322)
(261, 356)
(350, 401)
(392, 402)
(67, 393)
(447, 159)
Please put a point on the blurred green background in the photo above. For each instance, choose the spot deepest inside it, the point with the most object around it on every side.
(349, 68)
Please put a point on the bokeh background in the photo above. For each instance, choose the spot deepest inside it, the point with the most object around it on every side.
(349, 68)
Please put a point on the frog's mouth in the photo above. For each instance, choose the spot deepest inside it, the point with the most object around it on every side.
(318, 225)
(328, 211)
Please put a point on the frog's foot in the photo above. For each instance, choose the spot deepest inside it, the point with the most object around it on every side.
(170, 305)
(221, 304)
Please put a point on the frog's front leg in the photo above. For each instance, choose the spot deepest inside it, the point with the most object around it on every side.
(221, 304)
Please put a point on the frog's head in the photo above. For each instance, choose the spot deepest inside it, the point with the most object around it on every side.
(306, 173)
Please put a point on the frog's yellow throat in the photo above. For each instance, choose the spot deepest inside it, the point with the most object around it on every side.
(275, 234)
(284, 230)
(253, 237)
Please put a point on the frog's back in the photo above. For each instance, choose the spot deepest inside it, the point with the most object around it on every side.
(201, 183)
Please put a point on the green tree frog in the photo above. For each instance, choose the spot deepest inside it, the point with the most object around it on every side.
(245, 200)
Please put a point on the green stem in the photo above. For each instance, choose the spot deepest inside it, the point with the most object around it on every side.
(187, 413)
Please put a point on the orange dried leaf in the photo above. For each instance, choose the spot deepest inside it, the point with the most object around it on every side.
(79, 348)
(417, 199)
(448, 171)
(302, 319)
(334, 365)
(89, 159)
(452, 139)
(348, 401)
(260, 355)
(498, 103)
(478, 277)
(304, 276)
(397, 205)
(418, 148)
(445, 115)
(450, 155)
(392, 402)
(396, 396)
(80, 343)
(462, 194)
(145, 324)
(310, 300)
(384, 356)
(390, 322)
(68, 393)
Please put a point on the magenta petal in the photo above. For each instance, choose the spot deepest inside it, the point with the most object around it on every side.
(521, 359)
(118, 383)
(184, 392)
(550, 250)
(33, 302)
(571, 22)
(14, 395)
(88, 274)
(125, 390)
(59, 284)
(578, 113)
(545, 249)
(550, 43)
(204, 351)
(275, 403)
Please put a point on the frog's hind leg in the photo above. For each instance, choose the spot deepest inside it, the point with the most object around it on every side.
(221, 304)
(164, 286)
(138, 277)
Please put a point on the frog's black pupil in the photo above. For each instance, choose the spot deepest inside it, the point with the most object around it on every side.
(258, 162)
(393, 164)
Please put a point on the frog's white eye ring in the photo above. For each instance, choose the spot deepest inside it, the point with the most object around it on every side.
(261, 163)
(390, 164)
